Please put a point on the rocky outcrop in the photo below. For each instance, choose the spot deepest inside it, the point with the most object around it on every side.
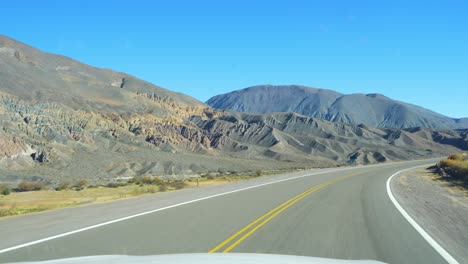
(11, 147)
(55, 138)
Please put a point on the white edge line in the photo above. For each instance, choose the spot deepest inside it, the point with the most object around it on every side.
(424, 234)
(183, 203)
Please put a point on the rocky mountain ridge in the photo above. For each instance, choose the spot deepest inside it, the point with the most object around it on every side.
(374, 110)
(104, 126)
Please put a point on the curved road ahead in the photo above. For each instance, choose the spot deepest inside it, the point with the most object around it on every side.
(340, 213)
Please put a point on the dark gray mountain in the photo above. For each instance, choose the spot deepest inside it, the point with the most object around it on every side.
(374, 110)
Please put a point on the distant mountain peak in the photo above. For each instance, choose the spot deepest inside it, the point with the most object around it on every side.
(373, 109)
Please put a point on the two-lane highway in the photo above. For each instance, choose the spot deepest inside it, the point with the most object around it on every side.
(340, 213)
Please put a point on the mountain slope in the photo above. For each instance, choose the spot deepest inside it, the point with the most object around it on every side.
(31, 74)
(370, 109)
(61, 119)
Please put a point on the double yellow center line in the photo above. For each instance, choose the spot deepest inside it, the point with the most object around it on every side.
(234, 240)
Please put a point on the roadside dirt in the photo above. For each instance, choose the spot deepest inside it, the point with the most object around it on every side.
(438, 206)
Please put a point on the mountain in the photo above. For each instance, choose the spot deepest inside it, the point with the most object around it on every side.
(374, 110)
(31, 74)
(62, 119)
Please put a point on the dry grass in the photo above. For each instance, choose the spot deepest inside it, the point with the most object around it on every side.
(18, 203)
(429, 174)
(215, 181)
(25, 202)
(404, 180)
(452, 185)
(456, 165)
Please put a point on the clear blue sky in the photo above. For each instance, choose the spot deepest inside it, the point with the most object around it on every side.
(415, 51)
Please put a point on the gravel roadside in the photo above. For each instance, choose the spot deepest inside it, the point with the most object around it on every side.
(438, 207)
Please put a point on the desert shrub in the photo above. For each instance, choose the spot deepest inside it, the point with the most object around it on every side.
(80, 185)
(456, 156)
(163, 187)
(115, 184)
(145, 180)
(151, 189)
(178, 185)
(138, 190)
(134, 179)
(258, 173)
(4, 190)
(455, 167)
(112, 185)
(63, 186)
(27, 186)
(157, 181)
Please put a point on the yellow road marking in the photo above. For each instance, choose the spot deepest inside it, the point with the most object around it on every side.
(270, 215)
(256, 221)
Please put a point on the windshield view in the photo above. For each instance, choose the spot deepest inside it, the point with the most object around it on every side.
(234, 132)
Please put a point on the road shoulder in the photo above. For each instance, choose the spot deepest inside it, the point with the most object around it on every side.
(440, 209)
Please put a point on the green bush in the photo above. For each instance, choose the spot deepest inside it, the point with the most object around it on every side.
(4, 190)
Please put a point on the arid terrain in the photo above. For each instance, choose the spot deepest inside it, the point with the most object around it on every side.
(61, 119)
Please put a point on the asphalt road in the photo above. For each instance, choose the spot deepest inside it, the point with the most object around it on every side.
(340, 213)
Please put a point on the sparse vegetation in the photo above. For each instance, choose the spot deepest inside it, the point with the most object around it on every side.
(32, 196)
(456, 166)
(80, 185)
(115, 184)
(63, 186)
(27, 186)
(14, 210)
(146, 180)
(163, 188)
(178, 185)
(4, 190)
(139, 190)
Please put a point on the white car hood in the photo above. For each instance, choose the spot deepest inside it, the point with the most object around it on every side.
(231, 258)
